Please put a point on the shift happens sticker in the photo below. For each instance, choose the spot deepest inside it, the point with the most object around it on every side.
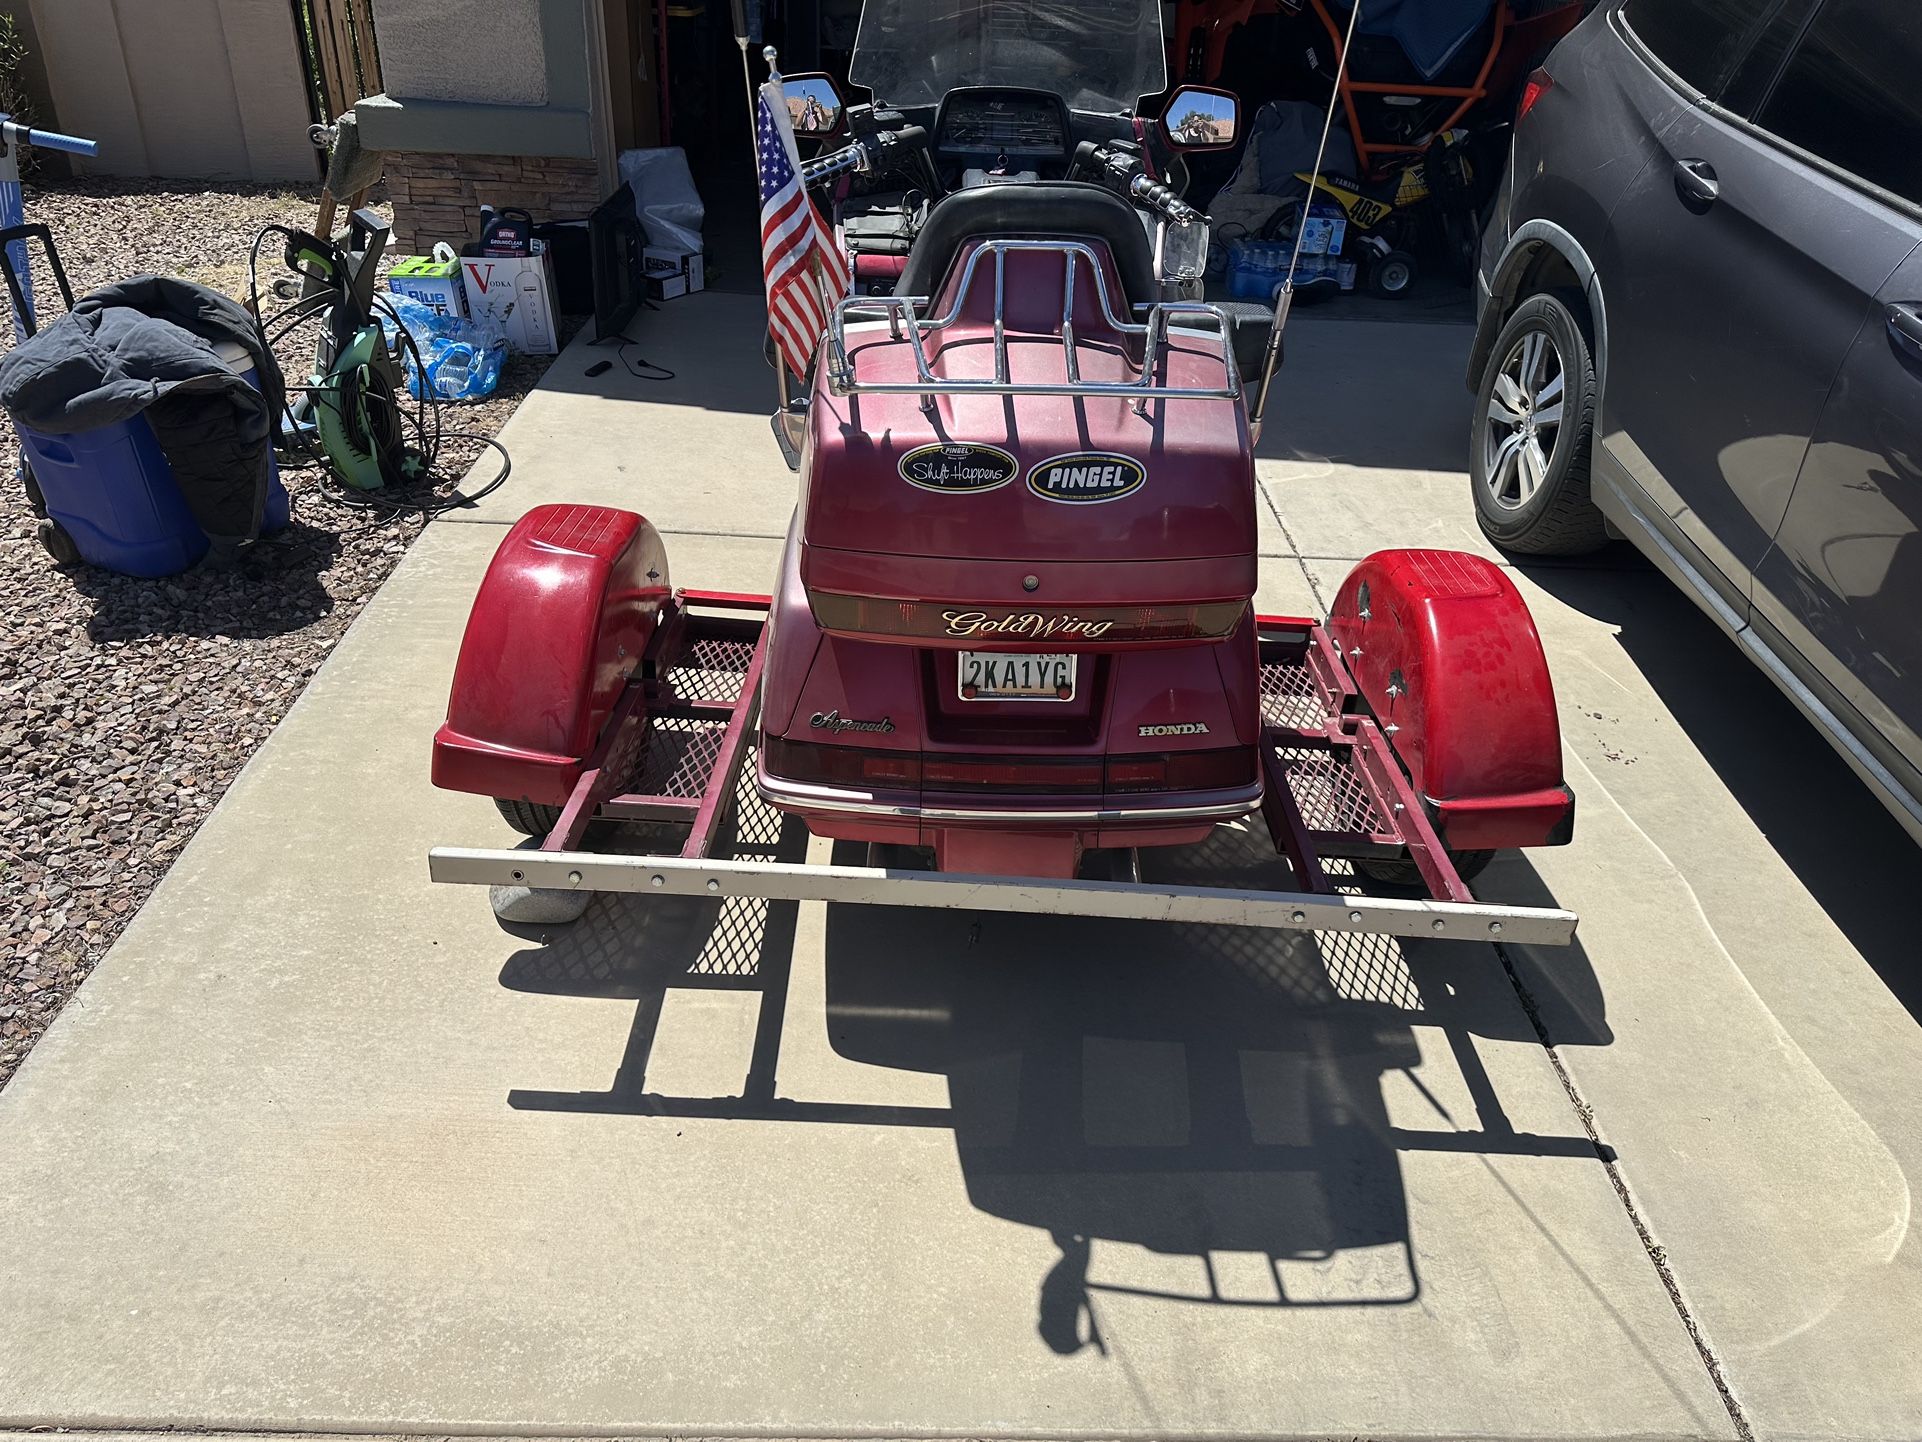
(958, 467)
(1083, 477)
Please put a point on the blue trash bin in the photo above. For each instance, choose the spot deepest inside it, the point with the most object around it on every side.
(113, 492)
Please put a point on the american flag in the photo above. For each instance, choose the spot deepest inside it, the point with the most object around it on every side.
(795, 243)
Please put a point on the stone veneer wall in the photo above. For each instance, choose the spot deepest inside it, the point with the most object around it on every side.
(438, 197)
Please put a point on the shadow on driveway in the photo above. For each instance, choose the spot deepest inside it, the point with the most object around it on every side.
(1185, 1089)
(1850, 854)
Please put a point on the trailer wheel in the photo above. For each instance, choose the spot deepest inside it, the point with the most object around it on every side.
(1401, 871)
(530, 818)
(58, 543)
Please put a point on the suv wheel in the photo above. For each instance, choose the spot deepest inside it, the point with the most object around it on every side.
(1528, 450)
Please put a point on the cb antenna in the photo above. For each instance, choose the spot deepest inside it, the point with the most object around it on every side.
(747, 76)
(1285, 294)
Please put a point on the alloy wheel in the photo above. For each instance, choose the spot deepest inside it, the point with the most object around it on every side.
(1524, 420)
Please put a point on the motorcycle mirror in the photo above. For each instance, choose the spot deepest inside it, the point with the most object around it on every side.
(1200, 117)
(813, 104)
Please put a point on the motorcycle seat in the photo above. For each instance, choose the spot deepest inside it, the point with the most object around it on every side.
(1064, 209)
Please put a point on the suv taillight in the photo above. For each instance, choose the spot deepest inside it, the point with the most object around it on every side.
(1538, 84)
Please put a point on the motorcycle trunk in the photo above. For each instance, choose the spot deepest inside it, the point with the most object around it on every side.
(1092, 553)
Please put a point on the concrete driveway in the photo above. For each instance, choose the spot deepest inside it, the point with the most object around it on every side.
(320, 1147)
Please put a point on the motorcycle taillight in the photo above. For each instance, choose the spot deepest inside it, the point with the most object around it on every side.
(1026, 773)
(851, 766)
(1182, 770)
(861, 769)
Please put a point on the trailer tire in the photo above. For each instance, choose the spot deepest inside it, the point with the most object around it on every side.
(1402, 871)
(530, 818)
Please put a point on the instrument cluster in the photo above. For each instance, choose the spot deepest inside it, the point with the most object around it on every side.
(986, 123)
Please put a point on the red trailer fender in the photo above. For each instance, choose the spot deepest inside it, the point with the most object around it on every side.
(1443, 650)
(564, 613)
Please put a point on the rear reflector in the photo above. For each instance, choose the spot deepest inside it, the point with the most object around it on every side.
(1007, 627)
(1538, 84)
(853, 766)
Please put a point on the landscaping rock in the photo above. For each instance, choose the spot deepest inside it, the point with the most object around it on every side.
(128, 705)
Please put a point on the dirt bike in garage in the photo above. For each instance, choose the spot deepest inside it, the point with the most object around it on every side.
(1012, 636)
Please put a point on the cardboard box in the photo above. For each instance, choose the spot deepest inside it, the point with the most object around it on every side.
(1323, 231)
(672, 273)
(433, 280)
(516, 292)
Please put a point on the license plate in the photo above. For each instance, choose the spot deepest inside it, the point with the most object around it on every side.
(1005, 676)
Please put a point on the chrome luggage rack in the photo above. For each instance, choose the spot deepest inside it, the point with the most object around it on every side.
(906, 322)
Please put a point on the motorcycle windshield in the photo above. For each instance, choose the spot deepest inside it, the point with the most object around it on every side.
(1097, 55)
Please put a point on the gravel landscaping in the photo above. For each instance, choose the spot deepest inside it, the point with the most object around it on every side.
(128, 705)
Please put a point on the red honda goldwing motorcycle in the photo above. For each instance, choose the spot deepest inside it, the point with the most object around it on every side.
(1013, 624)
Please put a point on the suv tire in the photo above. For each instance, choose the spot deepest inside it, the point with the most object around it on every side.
(1528, 447)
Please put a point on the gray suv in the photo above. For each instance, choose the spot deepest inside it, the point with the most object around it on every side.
(1701, 329)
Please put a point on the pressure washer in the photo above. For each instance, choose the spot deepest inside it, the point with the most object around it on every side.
(353, 415)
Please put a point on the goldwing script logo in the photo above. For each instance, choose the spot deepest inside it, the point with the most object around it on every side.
(1031, 625)
(1084, 477)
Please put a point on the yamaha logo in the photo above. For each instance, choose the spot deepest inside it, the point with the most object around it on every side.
(955, 466)
(1084, 477)
(1178, 728)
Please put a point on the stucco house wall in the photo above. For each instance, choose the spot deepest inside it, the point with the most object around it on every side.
(450, 50)
(492, 105)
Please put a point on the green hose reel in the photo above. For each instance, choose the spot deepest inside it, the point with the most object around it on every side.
(356, 410)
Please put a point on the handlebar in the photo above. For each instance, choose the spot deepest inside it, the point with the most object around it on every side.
(1162, 200)
(50, 139)
(1124, 170)
(863, 155)
(840, 162)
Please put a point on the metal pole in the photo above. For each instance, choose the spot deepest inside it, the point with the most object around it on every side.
(747, 79)
(13, 212)
(772, 57)
(1285, 297)
(947, 891)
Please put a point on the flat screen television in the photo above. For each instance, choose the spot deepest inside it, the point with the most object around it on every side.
(614, 241)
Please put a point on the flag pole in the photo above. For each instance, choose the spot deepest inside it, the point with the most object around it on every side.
(782, 396)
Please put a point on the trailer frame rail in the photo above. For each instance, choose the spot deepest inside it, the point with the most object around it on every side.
(679, 734)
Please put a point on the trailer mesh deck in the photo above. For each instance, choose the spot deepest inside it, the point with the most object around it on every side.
(1333, 799)
(676, 743)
